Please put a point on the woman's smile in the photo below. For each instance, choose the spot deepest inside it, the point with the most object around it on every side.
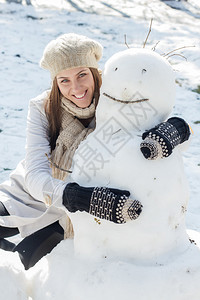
(80, 96)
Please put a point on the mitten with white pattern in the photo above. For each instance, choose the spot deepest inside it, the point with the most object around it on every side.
(160, 141)
(105, 203)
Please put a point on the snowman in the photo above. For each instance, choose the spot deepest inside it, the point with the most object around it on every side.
(138, 92)
(148, 257)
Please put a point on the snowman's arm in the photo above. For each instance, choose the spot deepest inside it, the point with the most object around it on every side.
(159, 142)
(105, 203)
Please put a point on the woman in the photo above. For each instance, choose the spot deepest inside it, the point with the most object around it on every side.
(34, 200)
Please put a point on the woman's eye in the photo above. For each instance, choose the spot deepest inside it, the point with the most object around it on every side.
(82, 74)
(64, 80)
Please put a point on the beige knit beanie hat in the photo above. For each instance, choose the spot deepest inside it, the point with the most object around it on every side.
(70, 51)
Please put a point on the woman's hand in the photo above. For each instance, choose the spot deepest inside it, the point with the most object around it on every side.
(105, 203)
(163, 138)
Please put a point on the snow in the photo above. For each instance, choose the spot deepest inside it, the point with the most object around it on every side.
(13, 281)
(25, 31)
(109, 279)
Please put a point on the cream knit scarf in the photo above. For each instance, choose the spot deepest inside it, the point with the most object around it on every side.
(72, 132)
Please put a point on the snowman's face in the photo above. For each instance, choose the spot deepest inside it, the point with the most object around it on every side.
(140, 79)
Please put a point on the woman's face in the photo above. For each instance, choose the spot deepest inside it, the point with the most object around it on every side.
(77, 85)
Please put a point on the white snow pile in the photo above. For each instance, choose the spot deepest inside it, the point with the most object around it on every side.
(139, 259)
(13, 282)
(64, 276)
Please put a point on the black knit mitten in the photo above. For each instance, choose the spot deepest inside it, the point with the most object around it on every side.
(163, 138)
(105, 203)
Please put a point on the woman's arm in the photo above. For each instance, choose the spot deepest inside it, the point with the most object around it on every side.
(38, 178)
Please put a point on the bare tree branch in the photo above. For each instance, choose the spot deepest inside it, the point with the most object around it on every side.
(176, 50)
(125, 41)
(154, 47)
(148, 34)
(177, 55)
(55, 165)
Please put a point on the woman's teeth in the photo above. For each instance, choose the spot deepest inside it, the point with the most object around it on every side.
(80, 96)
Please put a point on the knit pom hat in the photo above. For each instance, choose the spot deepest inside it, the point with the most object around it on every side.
(70, 51)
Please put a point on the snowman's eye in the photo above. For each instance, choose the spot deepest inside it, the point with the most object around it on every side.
(144, 71)
(116, 69)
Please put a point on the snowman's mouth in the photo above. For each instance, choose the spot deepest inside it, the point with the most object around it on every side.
(125, 101)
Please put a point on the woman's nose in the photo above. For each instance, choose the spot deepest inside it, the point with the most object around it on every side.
(75, 86)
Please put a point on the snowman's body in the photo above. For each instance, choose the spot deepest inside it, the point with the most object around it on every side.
(111, 157)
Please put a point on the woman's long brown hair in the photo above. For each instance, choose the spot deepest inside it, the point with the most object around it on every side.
(53, 107)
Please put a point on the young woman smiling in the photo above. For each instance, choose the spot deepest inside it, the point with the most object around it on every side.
(77, 85)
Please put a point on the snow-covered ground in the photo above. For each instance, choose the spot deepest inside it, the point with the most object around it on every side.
(25, 31)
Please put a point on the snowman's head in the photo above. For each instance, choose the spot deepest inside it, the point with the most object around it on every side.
(139, 86)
